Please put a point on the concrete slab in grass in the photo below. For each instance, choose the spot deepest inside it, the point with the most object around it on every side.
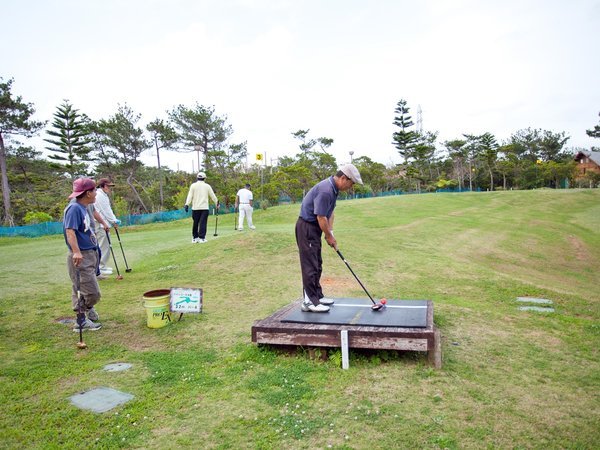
(536, 309)
(117, 367)
(100, 400)
(537, 301)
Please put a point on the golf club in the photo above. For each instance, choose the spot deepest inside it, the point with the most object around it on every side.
(80, 313)
(119, 276)
(376, 305)
(216, 219)
(122, 251)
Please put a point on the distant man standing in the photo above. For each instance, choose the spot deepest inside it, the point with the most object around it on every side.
(197, 197)
(243, 201)
(104, 209)
(316, 219)
(83, 256)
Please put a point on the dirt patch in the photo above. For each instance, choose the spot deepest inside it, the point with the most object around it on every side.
(337, 287)
(581, 251)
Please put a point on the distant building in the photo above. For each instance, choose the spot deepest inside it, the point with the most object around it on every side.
(589, 162)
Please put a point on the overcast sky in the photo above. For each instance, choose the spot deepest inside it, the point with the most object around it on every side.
(336, 67)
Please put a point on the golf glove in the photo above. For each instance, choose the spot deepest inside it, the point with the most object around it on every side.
(117, 222)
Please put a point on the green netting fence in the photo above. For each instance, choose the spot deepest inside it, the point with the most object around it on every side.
(49, 228)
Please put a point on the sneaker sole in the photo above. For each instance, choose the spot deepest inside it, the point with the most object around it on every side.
(76, 330)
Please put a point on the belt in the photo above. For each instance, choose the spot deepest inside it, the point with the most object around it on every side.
(244, 203)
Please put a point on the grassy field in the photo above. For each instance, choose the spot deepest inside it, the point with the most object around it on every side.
(510, 379)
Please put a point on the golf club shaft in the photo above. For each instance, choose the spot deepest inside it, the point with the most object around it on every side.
(357, 279)
(216, 221)
(127, 269)
(113, 254)
(79, 305)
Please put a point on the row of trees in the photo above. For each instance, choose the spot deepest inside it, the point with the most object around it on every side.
(34, 186)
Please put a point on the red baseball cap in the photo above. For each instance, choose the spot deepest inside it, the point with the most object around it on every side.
(80, 185)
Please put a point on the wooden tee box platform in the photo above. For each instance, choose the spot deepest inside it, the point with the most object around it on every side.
(276, 330)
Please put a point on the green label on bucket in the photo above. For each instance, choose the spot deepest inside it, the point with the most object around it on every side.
(186, 300)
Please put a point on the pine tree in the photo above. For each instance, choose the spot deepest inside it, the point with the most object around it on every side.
(71, 138)
(403, 139)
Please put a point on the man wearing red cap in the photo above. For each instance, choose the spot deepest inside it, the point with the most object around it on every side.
(82, 259)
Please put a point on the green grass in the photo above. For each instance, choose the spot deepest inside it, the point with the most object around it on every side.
(510, 379)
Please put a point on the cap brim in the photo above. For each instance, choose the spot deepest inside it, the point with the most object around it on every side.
(76, 194)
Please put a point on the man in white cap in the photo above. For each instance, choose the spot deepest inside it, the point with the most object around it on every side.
(316, 219)
(197, 197)
(243, 203)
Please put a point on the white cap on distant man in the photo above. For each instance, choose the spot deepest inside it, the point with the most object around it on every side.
(352, 172)
(201, 175)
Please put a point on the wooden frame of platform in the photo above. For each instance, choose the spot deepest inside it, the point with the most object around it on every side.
(273, 331)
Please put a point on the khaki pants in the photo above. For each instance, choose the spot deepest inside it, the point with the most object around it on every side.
(104, 246)
(88, 285)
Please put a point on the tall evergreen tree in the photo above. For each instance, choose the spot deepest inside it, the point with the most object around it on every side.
(15, 119)
(201, 129)
(405, 138)
(70, 139)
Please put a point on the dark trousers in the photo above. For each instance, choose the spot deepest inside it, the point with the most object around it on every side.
(308, 238)
(200, 217)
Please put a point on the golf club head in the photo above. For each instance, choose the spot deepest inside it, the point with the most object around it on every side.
(378, 307)
(119, 277)
(81, 345)
(127, 270)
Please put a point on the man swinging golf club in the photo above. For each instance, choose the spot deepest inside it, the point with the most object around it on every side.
(316, 219)
(82, 258)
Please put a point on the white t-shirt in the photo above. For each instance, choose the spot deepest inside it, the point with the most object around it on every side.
(245, 196)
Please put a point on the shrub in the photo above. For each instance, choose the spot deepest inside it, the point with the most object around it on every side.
(33, 217)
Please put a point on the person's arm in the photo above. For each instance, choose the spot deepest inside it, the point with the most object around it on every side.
(327, 231)
(72, 240)
(101, 220)
(188, 200)
(237, 201)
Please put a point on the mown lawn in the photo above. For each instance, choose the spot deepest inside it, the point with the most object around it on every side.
(510, 379)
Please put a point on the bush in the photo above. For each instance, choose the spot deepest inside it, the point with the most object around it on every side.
(33, 217)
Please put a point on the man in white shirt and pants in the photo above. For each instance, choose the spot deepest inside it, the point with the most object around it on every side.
(243, 201)
(198, 199)
(103, 208)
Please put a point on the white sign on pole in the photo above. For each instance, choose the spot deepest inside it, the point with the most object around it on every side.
(186, 300)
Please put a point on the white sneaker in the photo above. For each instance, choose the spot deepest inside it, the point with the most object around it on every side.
(88, 325)
(202, 241)
(309, 307)
(326, 301)
(240, 229)
(195, 240)
(106, 271)
(253, 227)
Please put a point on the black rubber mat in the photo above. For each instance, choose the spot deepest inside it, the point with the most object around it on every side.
(357, 311)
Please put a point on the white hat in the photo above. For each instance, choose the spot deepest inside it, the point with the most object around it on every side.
(201, 175)
(351, 172)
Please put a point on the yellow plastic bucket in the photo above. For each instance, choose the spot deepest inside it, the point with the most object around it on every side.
(156, 303)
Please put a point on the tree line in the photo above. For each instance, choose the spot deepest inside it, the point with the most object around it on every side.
(34, 186)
